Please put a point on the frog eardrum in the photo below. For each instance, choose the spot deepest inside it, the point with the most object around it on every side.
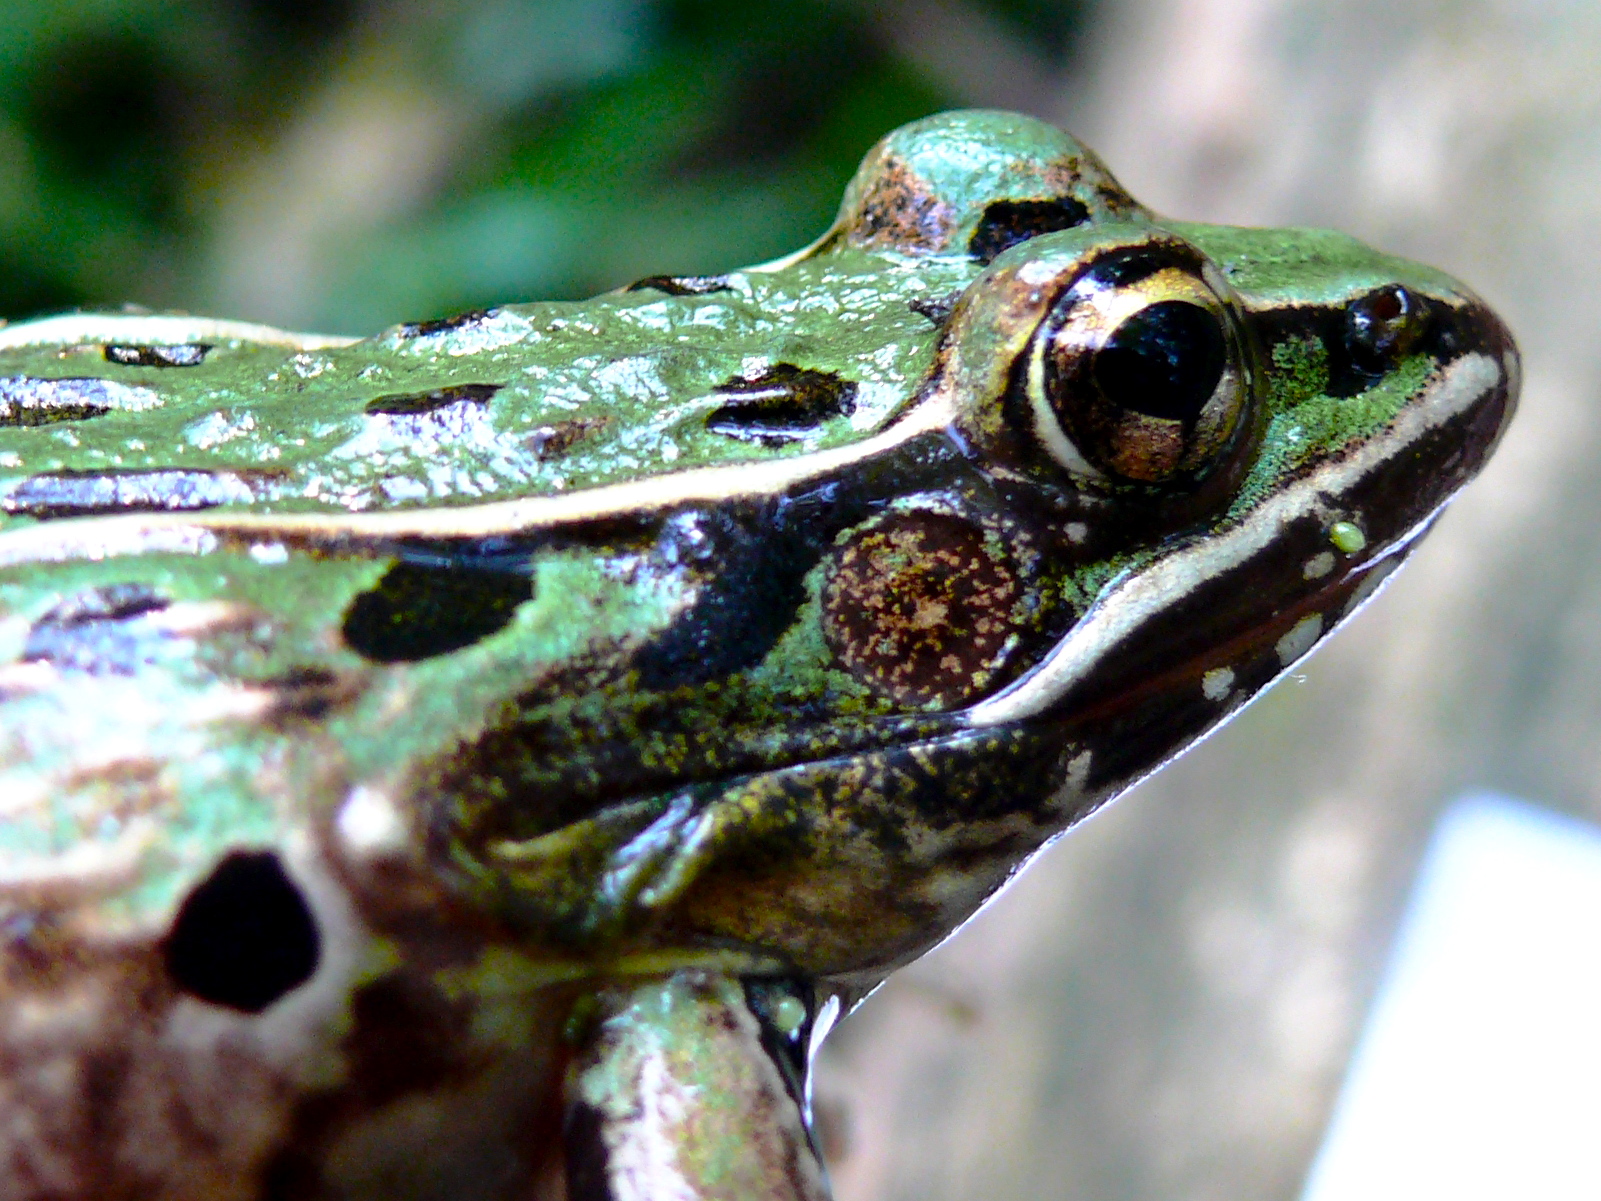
(490, 754)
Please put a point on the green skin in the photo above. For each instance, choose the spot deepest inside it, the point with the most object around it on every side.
(754, 628)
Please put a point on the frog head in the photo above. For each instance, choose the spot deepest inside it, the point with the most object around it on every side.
(364, 695)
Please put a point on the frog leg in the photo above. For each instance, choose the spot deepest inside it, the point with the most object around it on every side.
(682, 1090)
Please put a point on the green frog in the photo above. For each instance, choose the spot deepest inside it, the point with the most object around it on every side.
(481, 760)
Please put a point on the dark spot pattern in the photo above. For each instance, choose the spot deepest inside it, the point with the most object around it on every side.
(552, 441)
(919, 608)
(443, 325)
(937, 309)
(75, 494)
(98, 631)
(29, 401)
(683, 285)
(308, 693)
(1007, 223)
(419, 610)
(783, 404)
(244, 937)
(755, 566)
(902, 211)
(407, 404)
(183, 354)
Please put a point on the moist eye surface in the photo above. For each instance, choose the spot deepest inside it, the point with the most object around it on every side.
(1164, 361)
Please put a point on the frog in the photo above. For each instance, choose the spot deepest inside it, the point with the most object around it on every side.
(484, 759)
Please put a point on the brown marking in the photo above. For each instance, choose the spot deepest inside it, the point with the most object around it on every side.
(552, 441)
(900, 210)
(920, 608)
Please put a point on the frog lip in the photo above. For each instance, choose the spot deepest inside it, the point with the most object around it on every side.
(1234, 589)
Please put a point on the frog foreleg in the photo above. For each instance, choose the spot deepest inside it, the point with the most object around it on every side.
(676, 1094)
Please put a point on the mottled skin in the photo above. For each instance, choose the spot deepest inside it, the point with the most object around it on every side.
(393, 728)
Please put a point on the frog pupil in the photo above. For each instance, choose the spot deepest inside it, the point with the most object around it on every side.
(1164, 361)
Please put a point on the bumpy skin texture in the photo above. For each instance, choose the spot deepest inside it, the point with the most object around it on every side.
(366, 707)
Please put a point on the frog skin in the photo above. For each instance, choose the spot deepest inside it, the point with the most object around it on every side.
(479, 761)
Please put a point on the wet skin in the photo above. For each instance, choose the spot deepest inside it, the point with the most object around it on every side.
(391, 730)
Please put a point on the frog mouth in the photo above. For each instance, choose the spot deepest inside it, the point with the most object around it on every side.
(1241, 605)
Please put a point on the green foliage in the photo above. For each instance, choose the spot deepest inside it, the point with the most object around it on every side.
(340, 165)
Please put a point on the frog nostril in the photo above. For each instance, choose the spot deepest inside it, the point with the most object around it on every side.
(245, 936)
(1385, 324)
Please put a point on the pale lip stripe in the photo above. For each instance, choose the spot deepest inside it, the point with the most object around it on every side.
(1120, 614)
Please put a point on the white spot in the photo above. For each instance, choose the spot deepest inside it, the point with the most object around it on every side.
(1216, 683)
(1078, 771)
(370, 824)
(308, 366)
(1076, 532)
(270, 553)
(1318, 566)
(1299, 639)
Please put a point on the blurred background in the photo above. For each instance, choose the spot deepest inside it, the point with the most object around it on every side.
(1163, 1007)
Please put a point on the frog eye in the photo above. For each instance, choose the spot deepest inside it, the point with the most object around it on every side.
(1384, 324)
(1139, 372)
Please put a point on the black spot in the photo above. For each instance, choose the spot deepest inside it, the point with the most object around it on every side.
(1009, 222)
(420, 610)
(1164, 361)
(112, 602)
(427, 329)
(80, 493)
(308, 693)
(185, 354)
(28, 401)
(755, 568)
(97, 631)
(683, 285)
(937, 309)
(245, 936)
(785, 403)
(410, 403)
